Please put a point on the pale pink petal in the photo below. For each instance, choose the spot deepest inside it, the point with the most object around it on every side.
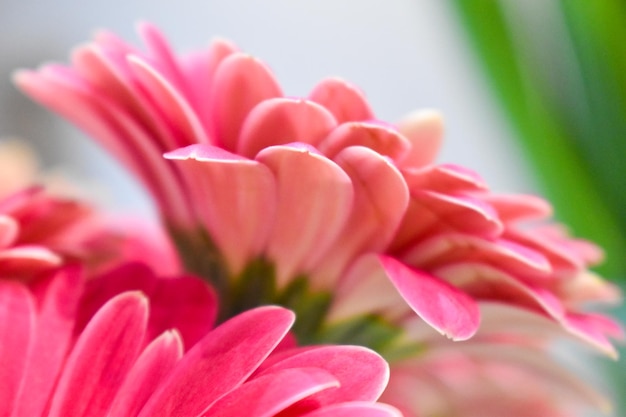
(377, 136)
(185, 303)
(484, 282)
(451, 248)
(313, 203)
(152, 367)
(58, 297)
(241, 82)
(238, 216)
(424, 129)
(362, 373)
(594, 329)
(380, 201)
(444, 178)
(345, 101)
(355, 409)
(199, 68)
(101, 358)
(9, 230)
(17, 330)
(173, 106)
(279, 121)
(519, 207)
(446, 308)
(270, 394)
(220, 362)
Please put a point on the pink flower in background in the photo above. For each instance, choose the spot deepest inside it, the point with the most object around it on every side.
(314, 204)
(150, 352)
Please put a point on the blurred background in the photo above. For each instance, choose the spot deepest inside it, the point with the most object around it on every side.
(533, 92)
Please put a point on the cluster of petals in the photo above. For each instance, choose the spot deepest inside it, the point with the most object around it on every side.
(320, 187)
(130, 344)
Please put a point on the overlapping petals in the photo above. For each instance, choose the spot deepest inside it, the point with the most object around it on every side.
(67, 350)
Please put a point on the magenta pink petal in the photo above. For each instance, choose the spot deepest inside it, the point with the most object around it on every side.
(25, 260)
(380, 201)
(313, 203)
(377, 136)
(279, 121)
(17, 330)
(424, 129)
(345, 101)
(271, 393)
(185, 303)
(152, 367)
(595, 329)
(444, 307)
(362, 373)
(9, 230)
(173, 107)
(241, 82)
(219, 363)
(58, 297)
(355, 409)
(101, 358)
(239, 216)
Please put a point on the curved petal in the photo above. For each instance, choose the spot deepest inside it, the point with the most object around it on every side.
(361, 372)
(424, 129)
(235, 198)
(313, 203)
(58, 297)
(152, 367)
(377, 136)
(24, 261)
(279, 121)
(356, 409)
(185, 303)
(447, 309)
(17, 330)
(445, 178)
(270, 394)
(9, 230)
(380, 201)
(229, 354)
(241, 82)
(345, 101)
(101, 358)
(519, 207)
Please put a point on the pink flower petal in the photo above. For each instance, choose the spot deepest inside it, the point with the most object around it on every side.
(185, 303)
(58, 297)
(355, 409)
(271, 393)
(345, 101)
(444, 178)
(283, 120)
(362, 373)
(314, 201)
(22, 262)
(377, 136)
(9, 230)
(235, 197)
(424, 129)
(173, 107)
(444, 307)
(519, 207)
(220, 362)
(241, 82)
(17, 323)
(380, 201)
(150, 370)
(101, 358)
(594, 329)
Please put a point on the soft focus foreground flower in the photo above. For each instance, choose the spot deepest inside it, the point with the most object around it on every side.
(314, 204)
(67, 350)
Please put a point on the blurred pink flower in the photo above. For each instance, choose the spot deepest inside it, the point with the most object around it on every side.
(64, 352)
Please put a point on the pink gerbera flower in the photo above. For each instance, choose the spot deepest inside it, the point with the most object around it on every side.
(314, 204)
(63, 354)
